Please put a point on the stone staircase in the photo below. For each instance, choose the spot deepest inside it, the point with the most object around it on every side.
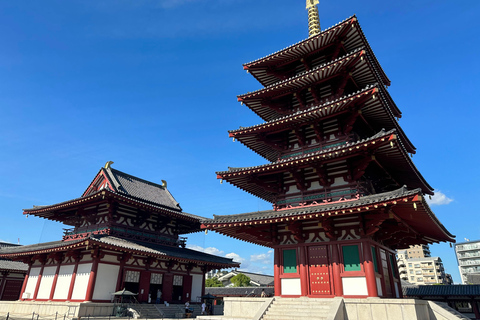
(147, 311)
(298, 309)
(177, 311)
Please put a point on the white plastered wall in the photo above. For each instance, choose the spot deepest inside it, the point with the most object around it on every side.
(106, 281)
(355, 286)
(63, 282)
(31, 283)
(291, 286)
(196, 286)
(46, 282)
(81, 281)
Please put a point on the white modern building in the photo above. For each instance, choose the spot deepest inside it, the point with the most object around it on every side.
(468, 258)
(416, 266)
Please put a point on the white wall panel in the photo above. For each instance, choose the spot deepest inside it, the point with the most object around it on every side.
(63, 282)
(196, 287)
(291, 286)
(106, 281)
(46, 282)
(31, 283)
(355, 286)
(81, 281)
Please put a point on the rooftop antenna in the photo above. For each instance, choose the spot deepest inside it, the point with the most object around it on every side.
(313, 18)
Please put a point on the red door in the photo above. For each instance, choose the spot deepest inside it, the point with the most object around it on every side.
(318, 270)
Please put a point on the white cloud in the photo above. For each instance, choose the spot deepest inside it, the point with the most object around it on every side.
(236, 257)
(209, 250)
(438, 199)
(263, 257)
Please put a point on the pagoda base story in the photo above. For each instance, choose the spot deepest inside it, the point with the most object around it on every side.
(357, 268)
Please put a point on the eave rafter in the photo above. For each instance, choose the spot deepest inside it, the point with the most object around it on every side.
(307, 161)
(291, 85)
(321, 111)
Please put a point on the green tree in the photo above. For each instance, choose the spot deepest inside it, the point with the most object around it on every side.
(213, 282)
(240, 280)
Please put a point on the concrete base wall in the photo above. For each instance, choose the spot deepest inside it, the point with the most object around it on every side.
(386, 309)
(349, 309)
(49, 309)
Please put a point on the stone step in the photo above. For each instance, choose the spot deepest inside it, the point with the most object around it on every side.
(299, 313)
(312, 306)
(316, 317)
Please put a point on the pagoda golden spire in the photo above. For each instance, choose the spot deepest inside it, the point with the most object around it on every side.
(313, 18)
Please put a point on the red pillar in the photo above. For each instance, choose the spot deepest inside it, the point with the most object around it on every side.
(337, 279)
(144, 284)
(187, 288)
(276, 272)
(92, 279)
(303, 271)
(167, 287)
(25, 280)
(204, 270)
(369, 270)
(55, 278)
(72, 281)
(39, 279)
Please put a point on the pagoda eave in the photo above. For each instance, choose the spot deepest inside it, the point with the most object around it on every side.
(402, 204)
(373, 105)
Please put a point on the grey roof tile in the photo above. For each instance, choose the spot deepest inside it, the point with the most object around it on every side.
(142, 189)
(445, 290)
(147, 248)
(13, 265)
(272, 214)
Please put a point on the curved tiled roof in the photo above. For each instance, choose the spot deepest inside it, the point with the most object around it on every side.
(7, 265)
(324, 207)
(114, 243)
(418, 217)
(129, 185)
(354, 38)
(456, 290)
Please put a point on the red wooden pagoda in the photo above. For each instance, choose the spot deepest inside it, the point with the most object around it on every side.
(125, 235)
(345, 192)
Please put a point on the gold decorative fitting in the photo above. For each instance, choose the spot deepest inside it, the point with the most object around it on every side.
(108, 164)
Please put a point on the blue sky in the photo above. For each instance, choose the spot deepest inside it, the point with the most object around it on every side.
(152, 86)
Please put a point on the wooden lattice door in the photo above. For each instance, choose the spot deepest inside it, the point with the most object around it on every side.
(319, 271)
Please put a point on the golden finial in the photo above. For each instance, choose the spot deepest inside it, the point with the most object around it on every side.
(313, 18)
(108, 164)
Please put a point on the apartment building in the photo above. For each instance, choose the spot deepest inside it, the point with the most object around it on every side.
(415, 265)
(468, 259)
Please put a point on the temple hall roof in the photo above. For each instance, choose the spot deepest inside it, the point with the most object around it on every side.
(126, 184)
(7, 265)
(121, 245)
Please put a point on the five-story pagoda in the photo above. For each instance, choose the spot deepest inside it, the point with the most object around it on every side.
(344, 190)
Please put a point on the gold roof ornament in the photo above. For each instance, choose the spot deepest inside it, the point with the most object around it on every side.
(313, 18)
(108, 164)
